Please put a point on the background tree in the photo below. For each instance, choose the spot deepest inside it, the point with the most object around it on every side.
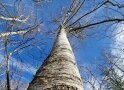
(113, 73)
(14, 37)
(109, 74)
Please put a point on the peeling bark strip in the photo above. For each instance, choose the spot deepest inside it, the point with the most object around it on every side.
(59, 71)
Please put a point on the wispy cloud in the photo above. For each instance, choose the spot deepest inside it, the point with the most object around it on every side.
(23, 67)
(92, 85)
(118, 46)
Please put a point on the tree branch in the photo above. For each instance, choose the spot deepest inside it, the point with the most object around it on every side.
(116, 4)
(96, 8)
(12, 33)
(14, 19)
(74, 12)
(97, 23)
(99, 6)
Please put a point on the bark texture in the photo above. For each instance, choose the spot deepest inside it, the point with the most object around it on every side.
(59, 71)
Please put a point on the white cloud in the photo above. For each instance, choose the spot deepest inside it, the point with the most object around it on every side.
(92, 84)
(24, 67)
(118, 46)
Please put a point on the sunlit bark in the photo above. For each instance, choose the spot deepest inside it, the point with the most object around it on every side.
(59, 71)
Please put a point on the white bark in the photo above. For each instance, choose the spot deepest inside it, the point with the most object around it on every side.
(12, 33)
(59, 71)
(14, 19)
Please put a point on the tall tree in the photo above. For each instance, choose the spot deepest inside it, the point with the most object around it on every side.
(78, 19)
(59, 71)
(52, 74)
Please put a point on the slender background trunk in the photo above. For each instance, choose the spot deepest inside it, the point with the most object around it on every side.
(7, 66)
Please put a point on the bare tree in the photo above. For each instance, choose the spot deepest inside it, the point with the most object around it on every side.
(15, 23)
(48, 74)
(113, 72)
(52, 72)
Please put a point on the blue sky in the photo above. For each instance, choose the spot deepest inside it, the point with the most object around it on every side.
(87, 51)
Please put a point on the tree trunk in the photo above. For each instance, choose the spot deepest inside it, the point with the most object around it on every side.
(59, 71)
(7, 66)
(8, 80)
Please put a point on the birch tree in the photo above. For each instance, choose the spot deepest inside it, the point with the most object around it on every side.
(80, 19)
(53, 74)
(17, 25)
